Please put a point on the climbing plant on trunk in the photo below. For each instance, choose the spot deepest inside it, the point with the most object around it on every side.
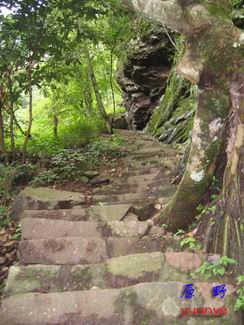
(212, 62)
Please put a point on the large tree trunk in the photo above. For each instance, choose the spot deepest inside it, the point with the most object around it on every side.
(11, 122)
(226, 234)
(27, 135)
(213, 55)
(55, 123)
(3, 150)
(2, 142)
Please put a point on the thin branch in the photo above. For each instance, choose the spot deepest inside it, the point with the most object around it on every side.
(170, 38)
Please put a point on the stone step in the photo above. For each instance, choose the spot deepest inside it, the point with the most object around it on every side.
(68, 250)
(48, 229)
(42, 198)
(126, 198)
(143, 170)
(152, 303)
(104, 213)
(130, 184)
(161, 162)
(152, 150)
(138, 145)
(147, 152)
(73, 250)
(156, 191)
(114, 273)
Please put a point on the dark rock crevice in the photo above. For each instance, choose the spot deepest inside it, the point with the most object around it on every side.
(143, 78)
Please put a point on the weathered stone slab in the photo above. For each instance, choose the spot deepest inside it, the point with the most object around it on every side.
(126, 246)
(128, 229)
(76, 214)
(47, 229)
(184, 261)
(142, 170)
(108, 213)
(137, 183)
(114, 273)
(42, 198)
(152, 303)
(70, 250)
(94, 213)
(120, 198)
(149, 152)
(55, 278)
(73, 250)
(135, 266)
(148, 162)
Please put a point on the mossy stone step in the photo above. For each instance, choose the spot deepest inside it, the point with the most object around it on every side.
(142, 170)
(147, 152)
(68, 250)
(162, 162)
(114, 273)
(73, 250)
(48, 229)
(145, 303)
(134, 184)
(128, 198)
(97, 213)
(42, 198)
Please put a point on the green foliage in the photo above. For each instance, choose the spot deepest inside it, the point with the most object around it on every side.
(43, 178)
(219, 268)
(190, 242)
(12, 175)
(237, 3)
(240, 293)
(7, 176)
(3, 216)
(17, 234)
(81, 133)
(70, 164)
(179, 232)
(44, 48)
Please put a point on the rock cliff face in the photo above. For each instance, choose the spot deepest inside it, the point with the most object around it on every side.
(156, 98)
(143, 78)
(172, 121)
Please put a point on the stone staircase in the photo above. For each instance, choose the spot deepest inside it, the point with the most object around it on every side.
(92, 261)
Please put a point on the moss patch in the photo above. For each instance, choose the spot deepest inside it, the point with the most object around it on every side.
(136, 266)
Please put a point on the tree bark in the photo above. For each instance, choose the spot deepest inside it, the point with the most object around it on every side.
(96, 91)
(213, 54)
(2, 142)
(226, 234)
(11, 122)
(55, 123)
(27, 135)
(3, 150)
